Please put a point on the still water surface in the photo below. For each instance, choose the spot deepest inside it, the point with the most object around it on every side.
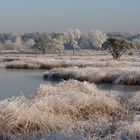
(19, 82)
(26, 82)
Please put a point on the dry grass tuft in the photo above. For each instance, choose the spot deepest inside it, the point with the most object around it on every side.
(122, 76)
(42, 62)
(134, 102)
(22, 65)
(69, 107)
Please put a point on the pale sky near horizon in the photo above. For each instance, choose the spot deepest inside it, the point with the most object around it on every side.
(59, 15)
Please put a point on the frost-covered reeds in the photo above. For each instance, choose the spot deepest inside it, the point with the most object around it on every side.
(125, 76)
(69, 107)
(51, 63)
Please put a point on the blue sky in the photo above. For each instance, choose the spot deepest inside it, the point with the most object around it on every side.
(59, 15)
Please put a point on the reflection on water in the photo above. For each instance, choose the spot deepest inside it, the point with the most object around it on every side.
(123, 91)
(19, 82)
(50, 137)
(121, 88)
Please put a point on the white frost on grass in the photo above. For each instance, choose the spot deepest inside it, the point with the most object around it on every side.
(69, 107)
(125, 76)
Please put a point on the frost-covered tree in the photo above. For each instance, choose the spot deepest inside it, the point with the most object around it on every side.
(42, 43)
(97, 38)
(58, 42)
(75, 46)
(84, 41)
(1, 46)
(16, 40)
(28, 44)
(137, 43)
(74, 35)
(18, 43)
(58, 45)
(117, 46)
(50, 42)
(9, 45)
(12, 41)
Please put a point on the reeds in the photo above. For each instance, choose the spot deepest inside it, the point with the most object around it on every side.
(124, 76)
(69, 107)
(65, 62)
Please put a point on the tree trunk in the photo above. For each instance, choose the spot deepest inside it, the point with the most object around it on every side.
(73, 51)
(59, 52)
(116, 56)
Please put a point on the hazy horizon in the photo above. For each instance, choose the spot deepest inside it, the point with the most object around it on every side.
(59, 15)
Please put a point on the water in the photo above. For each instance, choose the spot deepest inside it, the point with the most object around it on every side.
(50, 137)
(124, 90)
(119, 88)
(19, 82)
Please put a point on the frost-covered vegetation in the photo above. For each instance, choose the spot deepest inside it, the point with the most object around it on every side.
(73, 105)
(76, 106)
(58, 42)
(97, 68)
(125, 76)
(72, 108)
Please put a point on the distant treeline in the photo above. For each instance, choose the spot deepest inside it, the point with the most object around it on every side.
(58, 41)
